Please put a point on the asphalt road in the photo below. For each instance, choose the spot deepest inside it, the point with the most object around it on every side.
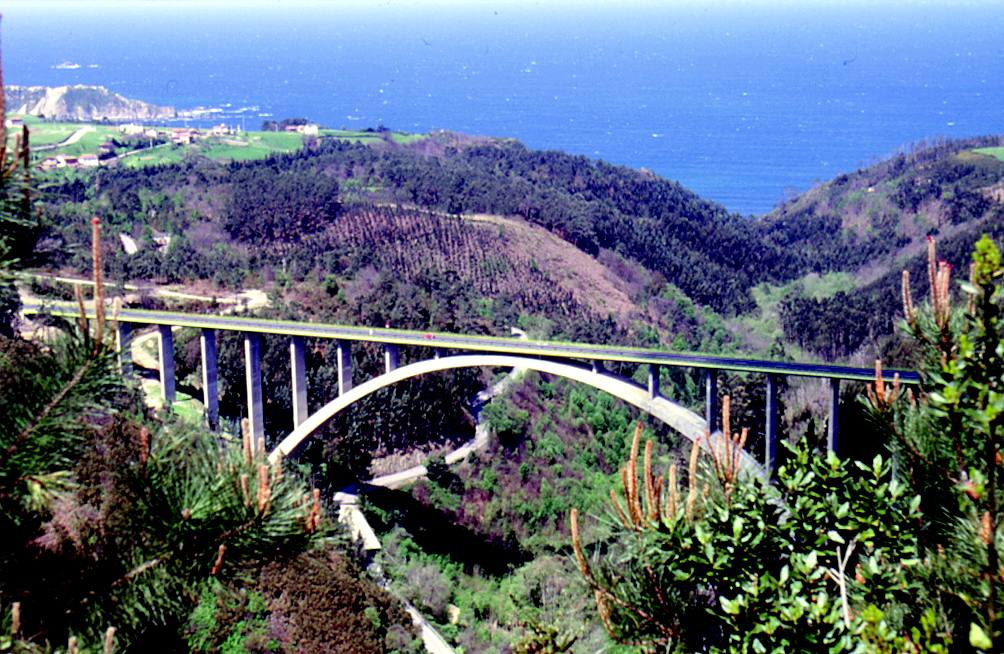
(505, 344)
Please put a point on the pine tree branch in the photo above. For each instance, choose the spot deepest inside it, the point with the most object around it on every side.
(56, 401)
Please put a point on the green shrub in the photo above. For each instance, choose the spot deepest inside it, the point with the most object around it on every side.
(835, 555)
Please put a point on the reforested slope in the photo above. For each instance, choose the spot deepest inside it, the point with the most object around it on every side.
(874, 223)
(713, 256)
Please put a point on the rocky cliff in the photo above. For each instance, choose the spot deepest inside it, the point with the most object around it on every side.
(81, 103)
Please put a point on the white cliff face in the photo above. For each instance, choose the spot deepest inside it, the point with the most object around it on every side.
(81, 103)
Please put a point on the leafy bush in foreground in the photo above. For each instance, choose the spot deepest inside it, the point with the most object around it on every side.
(836, 555)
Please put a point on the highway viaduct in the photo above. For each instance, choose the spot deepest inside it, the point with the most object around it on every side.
(582, 362)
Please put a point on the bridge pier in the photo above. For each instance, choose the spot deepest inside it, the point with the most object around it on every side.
(123, 344)
(298, 372)
(210, 378)
(711, 398)
(770, 431)
(597, 366)
(344, 354)
(252, 376)
(437, 352)
(391, 357)
(833, 429)
(653, 380)
(165, 353)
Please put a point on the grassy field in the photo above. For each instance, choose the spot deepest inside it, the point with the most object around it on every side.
(369, 138)
(51, 133)
(88, 143)
(185, 407)
(406, 139)
(765, 324)
(244, 147)
(161, 154)
(251, 145)
(239, 147)
(353, 136)
(42, 132)
(997, 153)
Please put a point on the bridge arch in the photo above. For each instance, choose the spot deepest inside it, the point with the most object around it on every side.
(679, 418)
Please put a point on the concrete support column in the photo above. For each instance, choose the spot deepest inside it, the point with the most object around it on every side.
(833, 429)
(123, 345)
(391, 357)
(298, 370)
(344, 352)
(770, 433)
(210, 378)
(165, 353)
(598, 366)
(437, 352)
(711, 398)
(252, 376)
(653, 380)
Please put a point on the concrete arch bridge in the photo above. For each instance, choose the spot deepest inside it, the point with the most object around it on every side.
(581, 362)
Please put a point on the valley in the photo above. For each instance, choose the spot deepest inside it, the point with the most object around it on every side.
(449, 233)
(501, 328)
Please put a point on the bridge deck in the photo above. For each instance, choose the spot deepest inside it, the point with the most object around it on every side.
(476, 343)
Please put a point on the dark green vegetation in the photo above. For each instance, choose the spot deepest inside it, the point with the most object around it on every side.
(173, 537)
(479, 235)
(883, 214)
(691, 242)
(144, 534)
(836, 555)
(559, 446)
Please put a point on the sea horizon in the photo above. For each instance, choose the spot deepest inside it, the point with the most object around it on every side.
(745, 103)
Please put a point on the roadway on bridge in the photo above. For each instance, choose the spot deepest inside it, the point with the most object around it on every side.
(477, 343)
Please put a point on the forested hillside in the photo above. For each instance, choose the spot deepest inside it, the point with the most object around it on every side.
(713, 256)
(875, 222)
(481, 235)
(124, 530)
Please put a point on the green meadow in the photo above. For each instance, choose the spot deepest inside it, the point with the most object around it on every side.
(997, 153)
(246, 146)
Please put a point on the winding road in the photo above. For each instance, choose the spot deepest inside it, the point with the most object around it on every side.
(70, 140)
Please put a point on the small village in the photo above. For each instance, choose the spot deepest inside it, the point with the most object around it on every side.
(82, 146)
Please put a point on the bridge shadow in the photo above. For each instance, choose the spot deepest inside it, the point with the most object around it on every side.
(436, 533)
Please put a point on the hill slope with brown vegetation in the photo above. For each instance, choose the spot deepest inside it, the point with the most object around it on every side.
(875, 222)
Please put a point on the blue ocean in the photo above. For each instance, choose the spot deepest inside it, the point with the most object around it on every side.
(745, 103)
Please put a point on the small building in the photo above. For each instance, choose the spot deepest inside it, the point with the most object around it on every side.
(108, 147)
(222, 130)
(184, 135)
(130, 129)
(129, 244)
(150, 133)
(14, 122)
(49, 163)
(309, 129)
(89, 161)
(65, 161)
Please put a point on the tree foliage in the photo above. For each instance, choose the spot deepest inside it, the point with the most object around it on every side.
(112, 517)
(268, 206)
(835, 555)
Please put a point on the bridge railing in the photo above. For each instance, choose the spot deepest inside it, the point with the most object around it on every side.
(393, 339)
